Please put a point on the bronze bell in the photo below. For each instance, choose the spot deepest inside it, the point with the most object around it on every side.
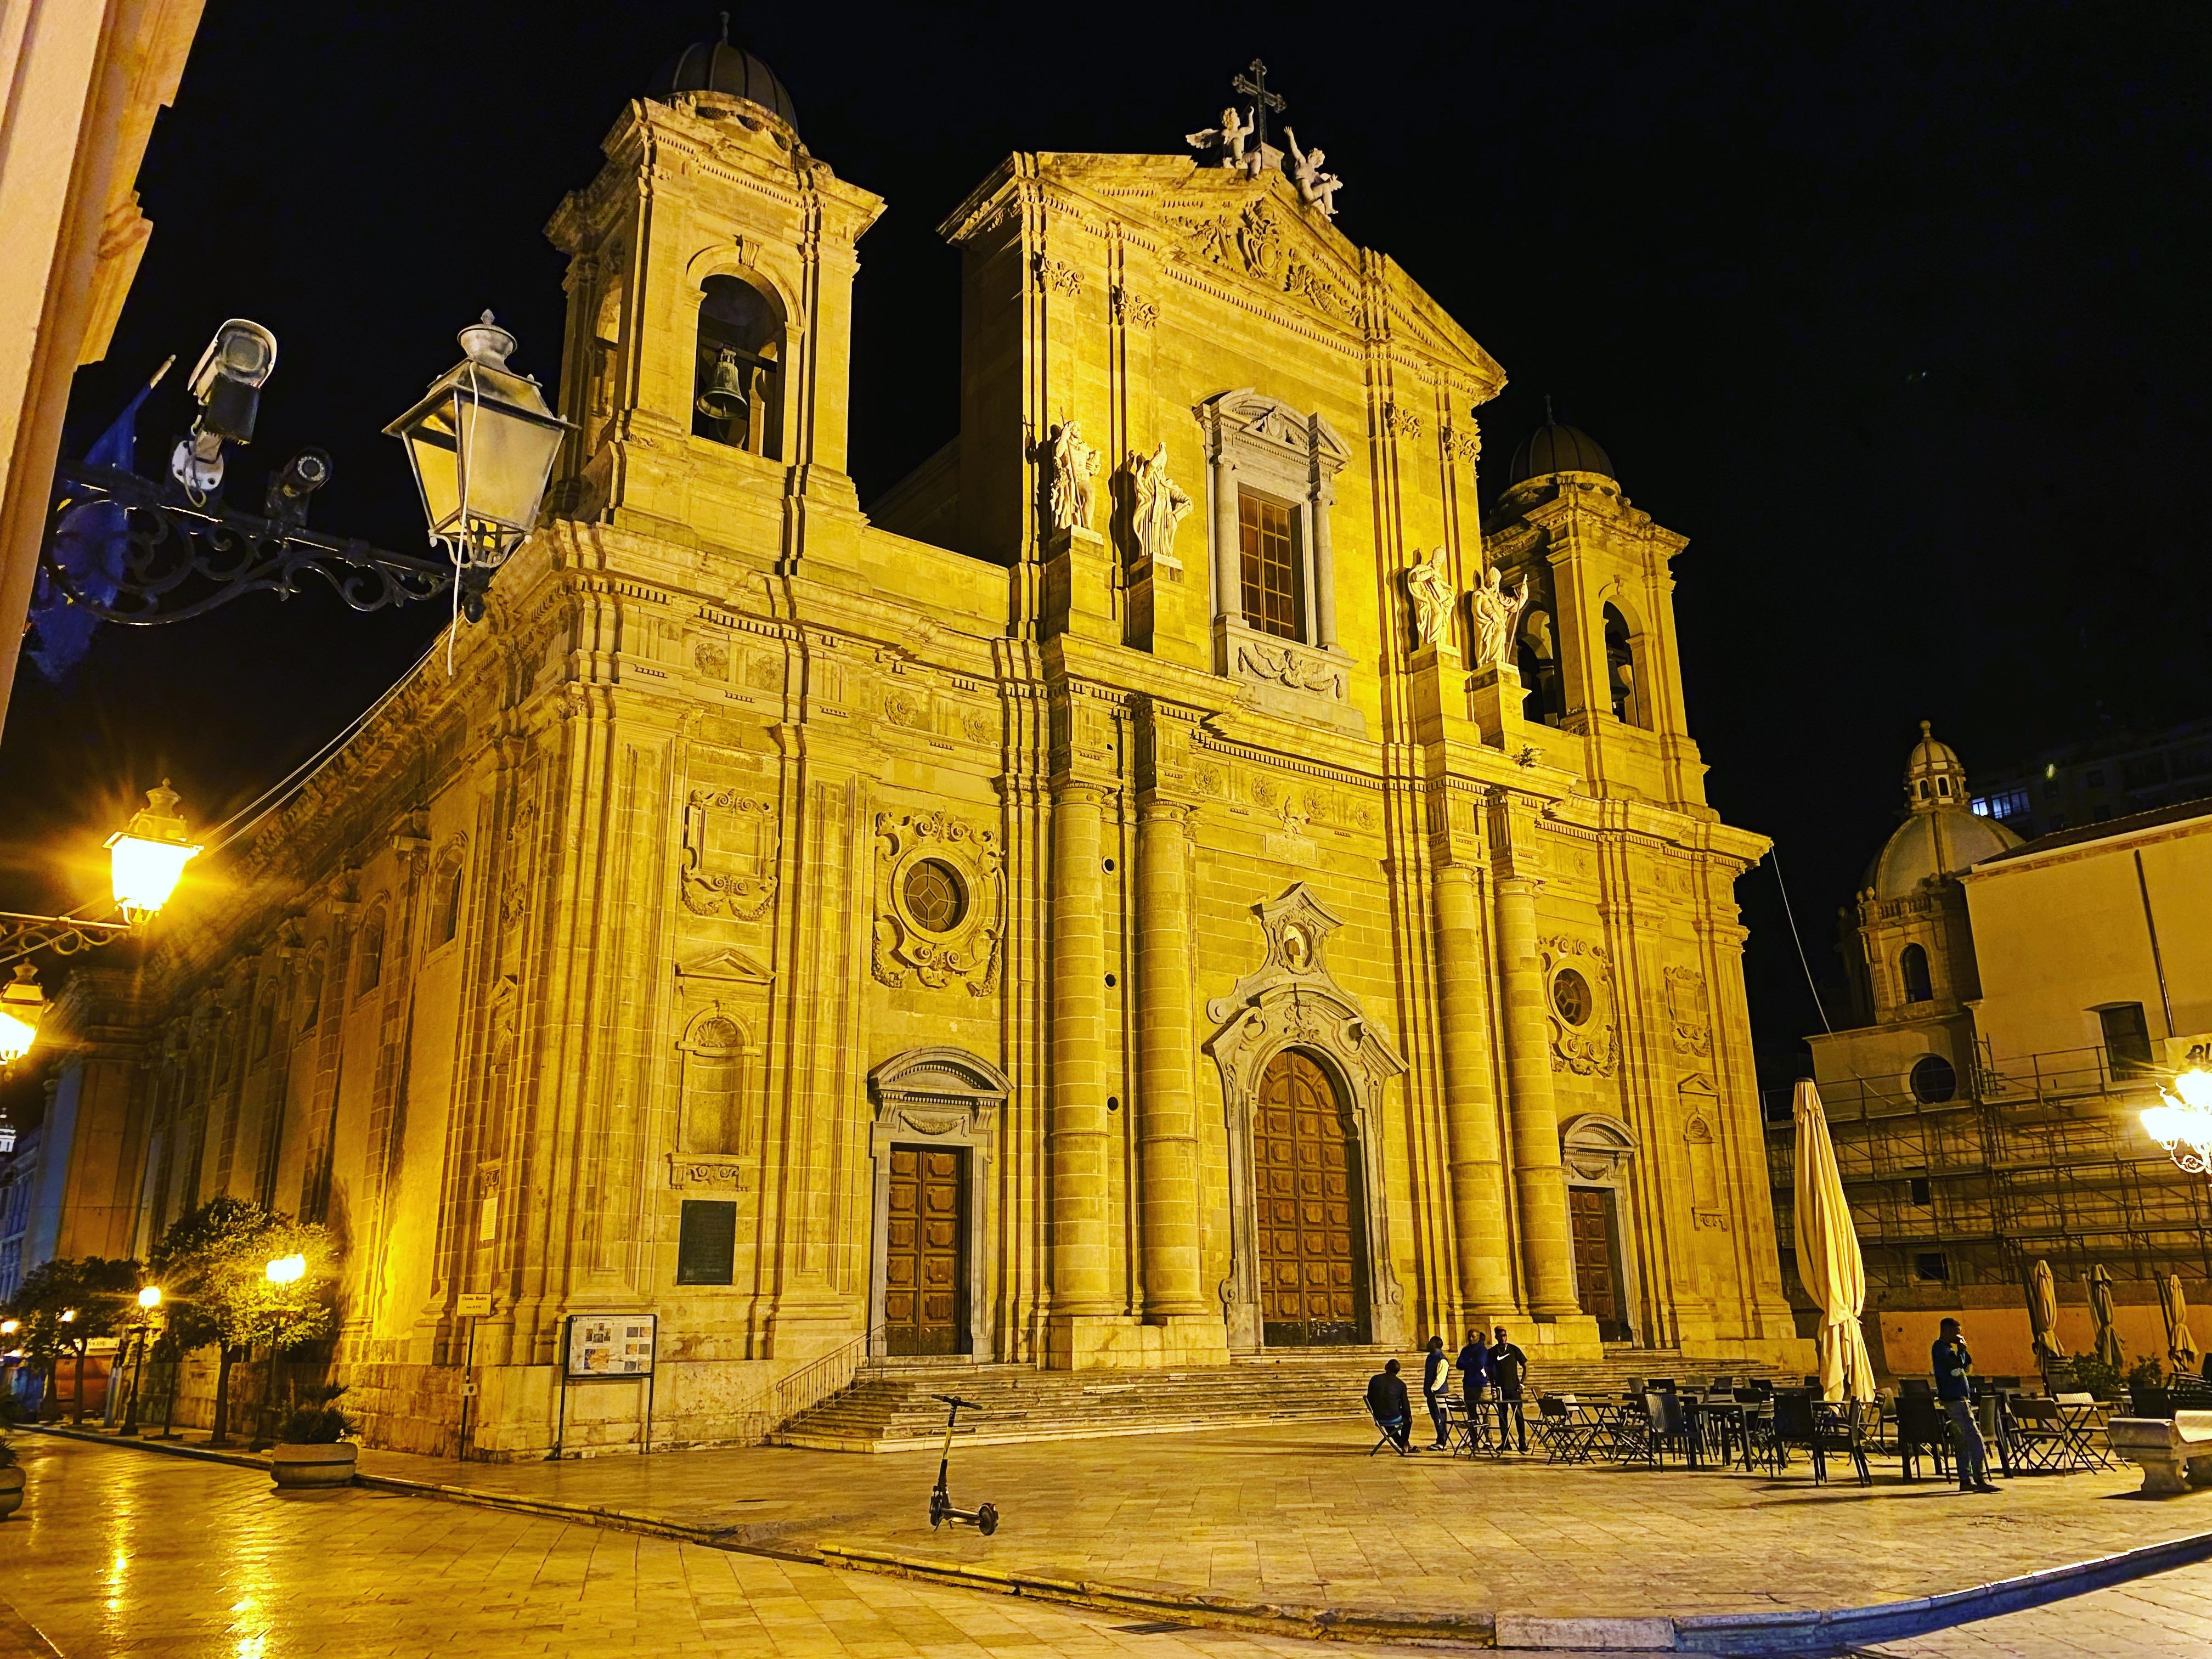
(724, 398)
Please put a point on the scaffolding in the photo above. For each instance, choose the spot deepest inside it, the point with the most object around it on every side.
(2043, 1157)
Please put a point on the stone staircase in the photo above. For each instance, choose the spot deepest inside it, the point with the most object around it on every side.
(891, 1406)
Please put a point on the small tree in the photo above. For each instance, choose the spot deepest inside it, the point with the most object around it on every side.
(66, 1305)
(214, 1267)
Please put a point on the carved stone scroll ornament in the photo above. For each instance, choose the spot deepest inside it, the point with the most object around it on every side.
(944, 924)
(1578, 981)
(1688, 1010)
(730, 843)
(1159, 504)
(1429, 588)
(1293, 1000)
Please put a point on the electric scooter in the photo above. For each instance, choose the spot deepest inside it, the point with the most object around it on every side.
(984, 1517)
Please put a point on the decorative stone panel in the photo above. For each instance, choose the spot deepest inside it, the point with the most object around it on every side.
(940, 909)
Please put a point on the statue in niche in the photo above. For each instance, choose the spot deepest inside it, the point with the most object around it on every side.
(1316, 188)
(1229, 138)
(1429, 586)
(1495, 612)
(1074, 463)
(1159, 504)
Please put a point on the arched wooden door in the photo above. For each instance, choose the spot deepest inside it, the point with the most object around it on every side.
(1313, 1257)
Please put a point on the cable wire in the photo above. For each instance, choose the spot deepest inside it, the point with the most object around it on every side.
(1775, 858)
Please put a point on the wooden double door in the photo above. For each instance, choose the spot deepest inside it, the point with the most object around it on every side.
(1312, 1215)
(1595, 1224)
(926, 1252)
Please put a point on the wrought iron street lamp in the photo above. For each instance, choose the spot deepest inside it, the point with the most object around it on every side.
(148, 858)
(22, 1004)
(2182, 1121)
(481, 443)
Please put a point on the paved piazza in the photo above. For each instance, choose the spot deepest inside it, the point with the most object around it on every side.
(1300, 1516)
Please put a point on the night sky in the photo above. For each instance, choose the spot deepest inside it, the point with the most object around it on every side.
(1896, 312)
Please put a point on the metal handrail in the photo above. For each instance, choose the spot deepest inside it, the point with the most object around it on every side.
(818, 1381)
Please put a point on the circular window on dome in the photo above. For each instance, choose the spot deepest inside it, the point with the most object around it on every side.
(935, 896)
(1933, 1080)
(1570, 996)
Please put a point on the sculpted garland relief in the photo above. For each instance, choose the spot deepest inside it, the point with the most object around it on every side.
(1578, 981)
(730, 842)
(941, 907)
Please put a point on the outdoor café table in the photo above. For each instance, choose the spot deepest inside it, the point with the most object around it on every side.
(2081, 1421)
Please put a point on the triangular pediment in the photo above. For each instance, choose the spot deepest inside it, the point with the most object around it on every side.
(727, 964)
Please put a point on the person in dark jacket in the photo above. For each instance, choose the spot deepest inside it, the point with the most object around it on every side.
(1394, 1412)
(1953, 1364)
(1475, 1380)
(1509, 1374)
(1435, 1390)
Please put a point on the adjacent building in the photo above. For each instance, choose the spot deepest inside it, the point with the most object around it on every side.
(2113, 776)
(1191, 874)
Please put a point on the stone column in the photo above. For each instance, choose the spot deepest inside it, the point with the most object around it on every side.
(1477, 1170)
(1167, 1111)
(1228, 547)
(1324, 567)
(1081, 1281)
(1546, 1249)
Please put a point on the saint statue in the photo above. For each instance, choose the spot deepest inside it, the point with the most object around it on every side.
(1429, 586)
(1157, 504)
(1074, 462)
(1496, 613)
(1316, 188)
(1229, 137)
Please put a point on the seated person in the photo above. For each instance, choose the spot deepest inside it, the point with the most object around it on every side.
(1393, 1411)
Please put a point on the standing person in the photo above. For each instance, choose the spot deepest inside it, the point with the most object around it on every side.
(1393, 1412)
(1509, 1371)
(1474, 1378)
(1436, 1389)
(1952, 1364)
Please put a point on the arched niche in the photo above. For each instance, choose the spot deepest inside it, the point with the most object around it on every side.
(945, 1098)
(1291, 1000)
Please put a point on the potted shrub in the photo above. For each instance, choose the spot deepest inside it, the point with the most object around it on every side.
(11, 1472)
(311, 1449)
(2147, 1395)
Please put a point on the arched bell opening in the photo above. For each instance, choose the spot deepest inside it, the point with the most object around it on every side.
(1544, 702)
(738, 379)
(1624, 669)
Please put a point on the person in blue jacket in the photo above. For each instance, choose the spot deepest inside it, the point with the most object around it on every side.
(1953, 1364)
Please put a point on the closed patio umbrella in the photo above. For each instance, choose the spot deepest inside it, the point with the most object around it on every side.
(2100, 1306)
(1828, 1259)
(2043, 1312)
(2180, 1346)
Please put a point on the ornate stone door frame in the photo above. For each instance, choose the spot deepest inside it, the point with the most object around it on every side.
(1293, 1001)
(935, 1097)
(1596, 1149)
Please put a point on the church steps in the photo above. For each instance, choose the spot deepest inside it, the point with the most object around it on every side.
(892, 1407)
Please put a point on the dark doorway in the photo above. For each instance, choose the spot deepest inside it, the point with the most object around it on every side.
(926, 1252)
(1312, 1219)
(1597, 1260)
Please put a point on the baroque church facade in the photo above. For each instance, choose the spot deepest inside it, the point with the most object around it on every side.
(1177, 878)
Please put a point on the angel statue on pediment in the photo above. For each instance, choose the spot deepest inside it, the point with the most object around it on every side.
(1316, 188)
(1229, 137)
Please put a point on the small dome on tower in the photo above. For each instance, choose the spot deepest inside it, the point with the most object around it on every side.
(1553, 447)
(716, 66)
(1941, 834)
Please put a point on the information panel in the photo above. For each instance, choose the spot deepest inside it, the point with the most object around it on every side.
(610, 1344)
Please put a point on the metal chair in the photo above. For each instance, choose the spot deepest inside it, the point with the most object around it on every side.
(1666, 1424)
(2039, 1435)
(1563, 1439)
(1388, 1439)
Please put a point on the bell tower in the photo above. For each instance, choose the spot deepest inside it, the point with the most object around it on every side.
(707, 357)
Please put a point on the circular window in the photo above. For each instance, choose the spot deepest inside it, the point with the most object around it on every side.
(1933, 1080)
(935, 896)
(1570, 995)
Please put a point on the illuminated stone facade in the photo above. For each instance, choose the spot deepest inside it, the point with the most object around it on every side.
(822, 929)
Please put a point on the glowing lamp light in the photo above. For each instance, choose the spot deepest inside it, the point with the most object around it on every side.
(288, 1269)
(22, 1005)
(2182, 1121)
(69, 1316)
(150, 1298)
(150, 856)
(9, 1327)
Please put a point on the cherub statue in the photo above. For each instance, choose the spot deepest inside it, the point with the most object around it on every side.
(1316, 188)
(1159, 504)
(1074, 462)
(1495, 613)
(1429, 586)
(1229, 136)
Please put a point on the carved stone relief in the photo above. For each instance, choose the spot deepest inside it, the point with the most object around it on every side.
(940, 902)
(1254, 242)
(1700, 1112)
(1688, 1010)
(1578, 1003)
(730, 845)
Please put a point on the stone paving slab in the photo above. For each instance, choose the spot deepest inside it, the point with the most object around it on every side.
(1298, 1520)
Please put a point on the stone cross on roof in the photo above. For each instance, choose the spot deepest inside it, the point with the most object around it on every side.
(1254, 85)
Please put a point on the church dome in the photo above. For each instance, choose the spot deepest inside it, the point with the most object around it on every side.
(719, 67)
(1941, 836)
(1552, 447)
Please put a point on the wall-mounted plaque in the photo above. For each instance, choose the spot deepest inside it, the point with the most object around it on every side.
(610, 1344)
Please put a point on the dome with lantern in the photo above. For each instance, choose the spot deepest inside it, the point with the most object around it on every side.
(718, 68)
(1941, 835)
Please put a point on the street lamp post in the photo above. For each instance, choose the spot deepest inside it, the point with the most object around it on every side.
(280, 1271)
(149, 1315)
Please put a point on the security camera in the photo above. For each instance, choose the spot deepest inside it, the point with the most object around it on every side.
(303, 475)
(226, 385)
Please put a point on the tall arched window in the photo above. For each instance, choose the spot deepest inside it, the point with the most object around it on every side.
(1912, 970)
(446, 916)
(737, 395)
(1545, 699)
(369, 954)
(1623, 672)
